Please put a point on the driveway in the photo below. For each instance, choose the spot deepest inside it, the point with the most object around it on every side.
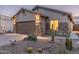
(5, 38)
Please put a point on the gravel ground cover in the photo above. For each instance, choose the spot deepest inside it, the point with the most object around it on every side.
(56, 47)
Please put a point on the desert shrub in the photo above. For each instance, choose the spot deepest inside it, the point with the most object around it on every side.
(68, 42)
(29, 50)
(32, 37)
(40, 50)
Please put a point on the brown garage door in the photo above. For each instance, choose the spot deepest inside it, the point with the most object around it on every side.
(76, 27)
(25, 27)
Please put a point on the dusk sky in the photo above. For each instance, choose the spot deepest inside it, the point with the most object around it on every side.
(10, 10)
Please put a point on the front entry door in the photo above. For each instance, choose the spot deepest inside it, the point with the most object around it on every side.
(47, 27)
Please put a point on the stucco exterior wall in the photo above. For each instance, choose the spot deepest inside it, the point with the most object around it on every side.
(25, 17)
(53, 15)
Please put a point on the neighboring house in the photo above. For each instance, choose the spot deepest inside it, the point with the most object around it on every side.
(25, 20)
(5, 24)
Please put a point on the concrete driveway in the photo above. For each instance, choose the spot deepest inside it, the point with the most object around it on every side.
(5, 38)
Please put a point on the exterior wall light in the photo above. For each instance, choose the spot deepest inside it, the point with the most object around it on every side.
(37, 20)
(14, 20)
(14, 23)
(38, 24)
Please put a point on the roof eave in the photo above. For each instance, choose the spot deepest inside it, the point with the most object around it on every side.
(62, 12)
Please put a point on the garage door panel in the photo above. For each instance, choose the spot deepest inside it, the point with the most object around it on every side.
(76, 27)
(25, 27)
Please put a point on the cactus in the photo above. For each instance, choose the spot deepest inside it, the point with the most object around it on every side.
(68, 43)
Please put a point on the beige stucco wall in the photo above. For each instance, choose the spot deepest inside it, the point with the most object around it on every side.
(54, 15)
(25, 17)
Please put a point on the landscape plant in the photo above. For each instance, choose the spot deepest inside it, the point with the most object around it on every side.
(32, 37)
(68, 42)
(29, 50)
(40, 50)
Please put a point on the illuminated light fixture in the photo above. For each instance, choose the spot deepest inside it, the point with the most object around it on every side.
(14, 20)
(54, 25)
(37, 19)
(37, 16)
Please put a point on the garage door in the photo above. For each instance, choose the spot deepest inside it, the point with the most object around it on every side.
(76, 27)
(25, 27)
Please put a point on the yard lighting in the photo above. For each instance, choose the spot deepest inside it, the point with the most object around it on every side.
(53, 27)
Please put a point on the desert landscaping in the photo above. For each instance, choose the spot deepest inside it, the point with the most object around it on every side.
(43, 45)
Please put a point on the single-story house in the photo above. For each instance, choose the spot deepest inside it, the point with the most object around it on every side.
(25, 20)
